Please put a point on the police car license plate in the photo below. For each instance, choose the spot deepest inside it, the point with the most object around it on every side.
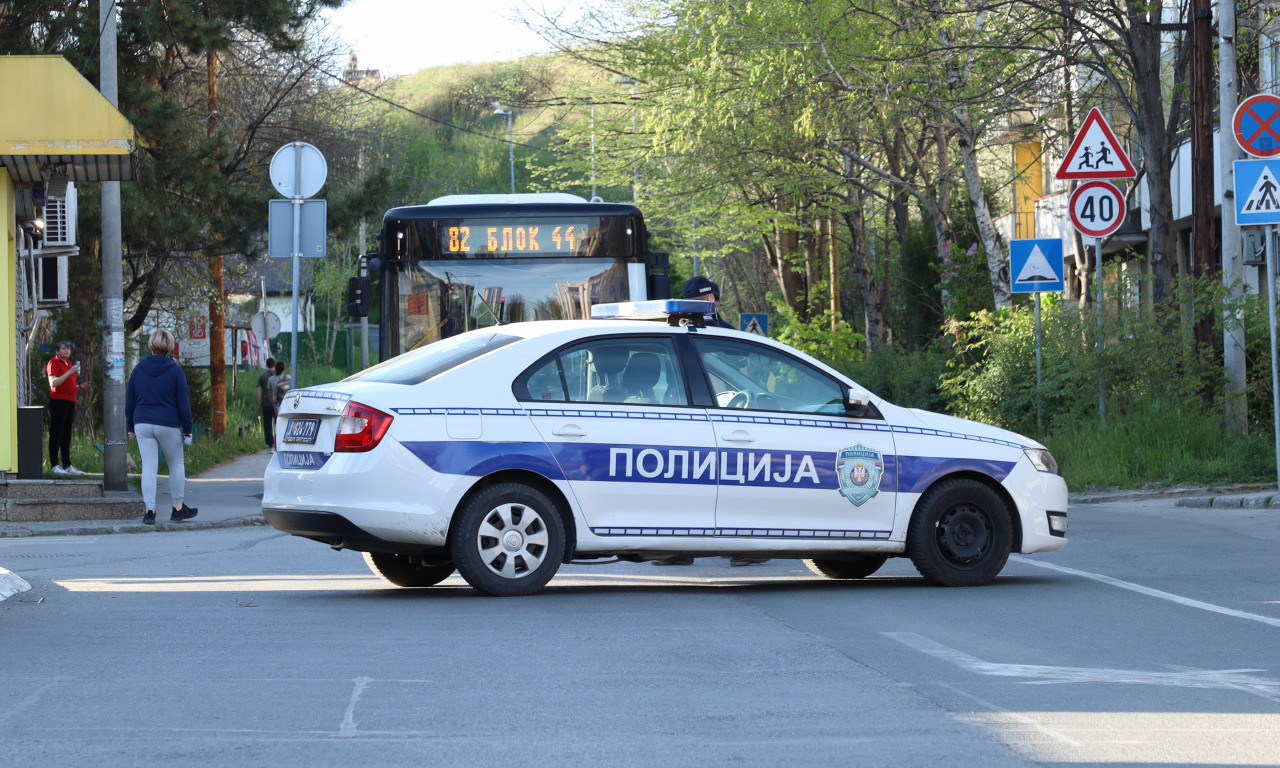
(302, 431)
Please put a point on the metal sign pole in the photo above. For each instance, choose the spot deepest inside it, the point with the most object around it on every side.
(1102, 376)
(1039, 370)
(297, 259)
(297, 171)
(1271, 321)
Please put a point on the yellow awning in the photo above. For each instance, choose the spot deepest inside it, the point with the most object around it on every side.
(56, 122)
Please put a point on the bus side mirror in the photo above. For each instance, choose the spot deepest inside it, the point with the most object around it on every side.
(358, 290)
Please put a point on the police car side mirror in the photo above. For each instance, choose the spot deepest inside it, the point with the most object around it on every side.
(857, 404)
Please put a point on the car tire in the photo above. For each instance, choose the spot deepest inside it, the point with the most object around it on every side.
(408, 570)
(508, 540)
(852, 567)
(960, 534)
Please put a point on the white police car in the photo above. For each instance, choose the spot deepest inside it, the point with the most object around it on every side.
(506, 451)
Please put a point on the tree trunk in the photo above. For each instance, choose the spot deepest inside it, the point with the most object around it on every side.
(868, 293)
(991, 240)
(1148, 85)
(781, 252)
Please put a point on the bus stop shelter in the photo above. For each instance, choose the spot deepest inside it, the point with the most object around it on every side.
(56, 129)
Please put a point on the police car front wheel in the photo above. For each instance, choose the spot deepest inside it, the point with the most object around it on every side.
(408, 570)
(508, 539)
(960, 534)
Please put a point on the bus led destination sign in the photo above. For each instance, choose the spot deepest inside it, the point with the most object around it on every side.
(529, 237)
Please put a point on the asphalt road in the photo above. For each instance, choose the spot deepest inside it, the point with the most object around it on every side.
(1152, 639)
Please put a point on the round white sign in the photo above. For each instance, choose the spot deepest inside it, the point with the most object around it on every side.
(1097, 208)
(265, 325)
(298, 170)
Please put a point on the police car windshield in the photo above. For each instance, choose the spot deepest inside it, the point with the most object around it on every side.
(432, 360)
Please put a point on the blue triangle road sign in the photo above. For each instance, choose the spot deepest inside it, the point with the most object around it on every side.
(1036, 266)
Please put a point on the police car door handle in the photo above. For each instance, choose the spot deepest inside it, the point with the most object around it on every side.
(569, 430)
(738, 436)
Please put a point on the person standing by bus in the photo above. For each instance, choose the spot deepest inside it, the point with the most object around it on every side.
(266, 405)
(157, 411)
(63, 389)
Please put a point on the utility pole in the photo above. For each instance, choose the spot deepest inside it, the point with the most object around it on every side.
(217, 317)
(363, 271)
(115, 435)
(1203, 250)
(1235, 403)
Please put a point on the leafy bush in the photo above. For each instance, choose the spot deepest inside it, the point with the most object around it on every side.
(1146, 355)
(906, 378)
(836, 344)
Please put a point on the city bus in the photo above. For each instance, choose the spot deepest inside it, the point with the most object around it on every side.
(461, 262)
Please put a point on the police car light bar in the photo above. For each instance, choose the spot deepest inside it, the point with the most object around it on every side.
(671, 310)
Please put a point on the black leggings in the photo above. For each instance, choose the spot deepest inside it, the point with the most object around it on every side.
(62, 413)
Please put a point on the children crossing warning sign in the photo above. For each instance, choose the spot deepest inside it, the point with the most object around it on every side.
(1095, 153)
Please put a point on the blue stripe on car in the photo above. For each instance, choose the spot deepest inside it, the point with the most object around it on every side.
(607, 462)
(476, 458)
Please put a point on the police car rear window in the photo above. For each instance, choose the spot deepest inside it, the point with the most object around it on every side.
(432, 360)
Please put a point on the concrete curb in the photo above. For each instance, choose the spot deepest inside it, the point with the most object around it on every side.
(104, 527)
(11, 584)
(1266, 501)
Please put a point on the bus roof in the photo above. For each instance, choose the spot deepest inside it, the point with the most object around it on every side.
(531, 204)
(521, 198)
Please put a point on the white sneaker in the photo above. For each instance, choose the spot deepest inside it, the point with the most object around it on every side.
(73, 472)
(58, 470)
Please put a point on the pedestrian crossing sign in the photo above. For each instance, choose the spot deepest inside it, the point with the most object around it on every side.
(1257, 192)
(1036, 266)
(754, 323)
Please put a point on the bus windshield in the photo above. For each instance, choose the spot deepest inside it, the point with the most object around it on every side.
(467, 262)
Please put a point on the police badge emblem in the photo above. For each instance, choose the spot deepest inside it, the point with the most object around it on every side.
(859, 469)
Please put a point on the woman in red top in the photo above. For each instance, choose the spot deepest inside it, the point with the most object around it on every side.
(63, 387)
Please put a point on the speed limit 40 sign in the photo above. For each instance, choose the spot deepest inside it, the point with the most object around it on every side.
(1097, 208)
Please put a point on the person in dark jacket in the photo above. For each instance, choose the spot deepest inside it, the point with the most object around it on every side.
(267, 406)
(702, 288)
(157, 410)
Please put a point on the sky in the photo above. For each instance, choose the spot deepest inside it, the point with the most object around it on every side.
(400, 37)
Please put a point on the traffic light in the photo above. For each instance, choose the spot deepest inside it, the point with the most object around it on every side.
(358, 290)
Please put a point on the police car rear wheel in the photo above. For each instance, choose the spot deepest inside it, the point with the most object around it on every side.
(960, 535)
(508, 540)
(408, 570)
(852, 567)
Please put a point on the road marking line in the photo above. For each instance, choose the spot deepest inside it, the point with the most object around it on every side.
(1148, 591)
(1041, 674)
(1057, 736)
(348, 727)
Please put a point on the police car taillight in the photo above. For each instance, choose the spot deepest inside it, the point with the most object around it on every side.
(361, 428)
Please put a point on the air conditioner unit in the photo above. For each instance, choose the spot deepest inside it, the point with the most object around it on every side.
(51, 280)
(60, 219)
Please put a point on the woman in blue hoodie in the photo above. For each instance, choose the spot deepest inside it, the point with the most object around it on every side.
(158, 412)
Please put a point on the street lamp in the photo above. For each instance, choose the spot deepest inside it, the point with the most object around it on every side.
(592, 102)
(511, 139)
(635, 173)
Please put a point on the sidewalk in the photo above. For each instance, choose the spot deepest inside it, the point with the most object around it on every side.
(226, 496)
